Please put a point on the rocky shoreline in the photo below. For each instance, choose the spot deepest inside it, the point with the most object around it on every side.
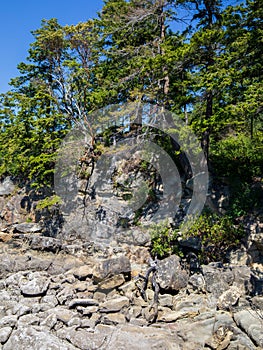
(82, 295)
(82, 285)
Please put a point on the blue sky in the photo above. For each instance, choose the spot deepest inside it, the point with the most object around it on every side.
(19, 17)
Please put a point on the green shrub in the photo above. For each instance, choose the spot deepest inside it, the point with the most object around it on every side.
(218, 235)
(163, 240)
(244, 199)
(238, 156)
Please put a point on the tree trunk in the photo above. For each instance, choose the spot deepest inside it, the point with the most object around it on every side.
(208, 114)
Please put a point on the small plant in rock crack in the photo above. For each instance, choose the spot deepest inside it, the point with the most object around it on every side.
(48, 202)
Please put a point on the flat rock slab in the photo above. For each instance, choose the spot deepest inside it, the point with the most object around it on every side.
(35, 284)
(82, 272)
(35, 338)
(82, 339)
(134, 338)
(28, 227)
(250, 321)
(82, 302)
(115, 305)
(110, 267)
(4, 334)
(64, 315)
(111, 282)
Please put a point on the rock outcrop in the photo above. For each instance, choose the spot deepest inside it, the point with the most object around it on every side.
(89, 297)
(82, 286)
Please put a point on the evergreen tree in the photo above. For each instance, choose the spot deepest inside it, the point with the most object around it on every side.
(242, 63)
(34, 126)
(210, 74)
(200, 59)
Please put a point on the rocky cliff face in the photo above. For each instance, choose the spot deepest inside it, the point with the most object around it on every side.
(66, 287)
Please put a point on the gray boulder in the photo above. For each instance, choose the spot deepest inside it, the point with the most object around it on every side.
(251, 323)
(111, 267)
(6, 187)
(36, 338)
(170, 274)
(28, 227)
(217, 278)
(34, 284)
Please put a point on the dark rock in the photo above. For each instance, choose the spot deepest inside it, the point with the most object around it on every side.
(193, 243)
(242, 278)
(217, 279)
(257, 282)
(110, 267)
(52, 220)
(255, 247)
(45, 243)
(170, 275)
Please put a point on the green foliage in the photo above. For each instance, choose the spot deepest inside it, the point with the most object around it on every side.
(210, 74)
(29, 137)
(244, 198)
(238, 156)
(48, 202)
(218, 234)
(163, 240)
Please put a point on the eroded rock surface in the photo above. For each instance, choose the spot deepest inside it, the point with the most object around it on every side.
(90, 297)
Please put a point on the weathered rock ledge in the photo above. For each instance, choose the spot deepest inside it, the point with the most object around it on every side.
(59, 290)
(77, 295)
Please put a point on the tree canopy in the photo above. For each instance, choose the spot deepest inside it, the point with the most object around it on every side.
(209, 73)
